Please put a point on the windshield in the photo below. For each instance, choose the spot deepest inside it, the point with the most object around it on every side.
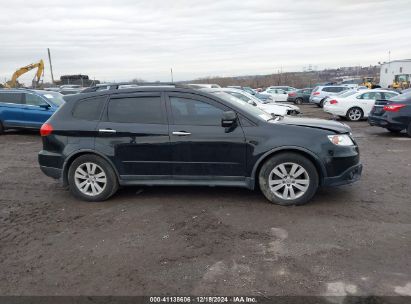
(54, 97)
(252, 110)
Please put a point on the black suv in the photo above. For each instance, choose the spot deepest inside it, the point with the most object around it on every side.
(171, 135)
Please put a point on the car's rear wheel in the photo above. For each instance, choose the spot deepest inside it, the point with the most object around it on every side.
(288, 179)
(322, 103)
(91, 178)
(298, 101)
(1, 128)
(409, 130)
(354, 114)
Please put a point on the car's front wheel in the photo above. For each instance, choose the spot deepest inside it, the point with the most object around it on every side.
(355, 114)
(91, 178)
(288, 179)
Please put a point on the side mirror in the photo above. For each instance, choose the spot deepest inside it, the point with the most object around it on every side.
(229, 119)
(44, 106)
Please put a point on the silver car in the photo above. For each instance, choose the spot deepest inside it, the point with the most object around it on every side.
(320, 93)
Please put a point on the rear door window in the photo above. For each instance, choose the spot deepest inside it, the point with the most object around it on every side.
(89, 109)
(16, 98)
(139, 109)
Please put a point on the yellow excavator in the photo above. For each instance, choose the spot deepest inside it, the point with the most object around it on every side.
(36, 81)
(368, 82)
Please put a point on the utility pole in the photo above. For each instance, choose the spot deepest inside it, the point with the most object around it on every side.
(172, 78)
(51, 66)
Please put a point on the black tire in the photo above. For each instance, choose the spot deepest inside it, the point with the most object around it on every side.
(393, 130)
(1, 128)
(321, 104)
(288, 159)
(409, 130)
(111, 184)
(298, 101)
(354, 114)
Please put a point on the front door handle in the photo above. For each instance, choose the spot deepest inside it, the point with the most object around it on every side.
(107, 131)
(181, 133)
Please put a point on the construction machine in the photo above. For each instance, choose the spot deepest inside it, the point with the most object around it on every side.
(36, 81)
(368, 82)
(401, 81)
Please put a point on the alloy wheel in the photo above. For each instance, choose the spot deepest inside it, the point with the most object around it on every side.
(90, 179)
(289, 181)
(355, 114)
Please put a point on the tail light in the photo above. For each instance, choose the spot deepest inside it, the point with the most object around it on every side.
(292, 94)
(333, 101)
(46, 129)
(393, 107)
(316, 93)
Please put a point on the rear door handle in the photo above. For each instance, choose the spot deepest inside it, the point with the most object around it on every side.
(107, 131)
(181, 133)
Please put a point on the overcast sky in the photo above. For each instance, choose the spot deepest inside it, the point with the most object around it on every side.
(125, 39)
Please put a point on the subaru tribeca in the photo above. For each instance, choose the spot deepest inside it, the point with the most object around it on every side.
(172, 135)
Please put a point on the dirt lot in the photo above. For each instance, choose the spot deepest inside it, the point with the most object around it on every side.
(355, 239)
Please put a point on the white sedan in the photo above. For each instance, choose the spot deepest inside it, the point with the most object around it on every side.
(276, 94)
(276, 109)
(355, 105)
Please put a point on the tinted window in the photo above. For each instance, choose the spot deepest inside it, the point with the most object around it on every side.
(144, 110)
(89, 109)
(11, 97)
(34, 100)
(193, 112)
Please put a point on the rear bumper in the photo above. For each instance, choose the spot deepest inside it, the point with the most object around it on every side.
(384, 122)
(51, 164)
(349, 176)
(51, 172)
(315, 99)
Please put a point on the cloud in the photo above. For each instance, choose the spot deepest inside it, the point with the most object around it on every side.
(125, 39)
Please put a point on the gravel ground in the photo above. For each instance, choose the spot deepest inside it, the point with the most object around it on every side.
(351, 240)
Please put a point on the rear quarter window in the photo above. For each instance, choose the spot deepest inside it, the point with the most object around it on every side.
(16, 98)
(89, 109)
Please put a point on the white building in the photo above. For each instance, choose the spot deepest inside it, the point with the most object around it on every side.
(395, 69)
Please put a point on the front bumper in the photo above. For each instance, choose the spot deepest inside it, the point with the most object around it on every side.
(349, 176)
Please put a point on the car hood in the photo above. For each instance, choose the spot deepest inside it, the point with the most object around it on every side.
(331, 125)
(273, 109)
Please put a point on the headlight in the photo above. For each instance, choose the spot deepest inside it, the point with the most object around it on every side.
(341, 140)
